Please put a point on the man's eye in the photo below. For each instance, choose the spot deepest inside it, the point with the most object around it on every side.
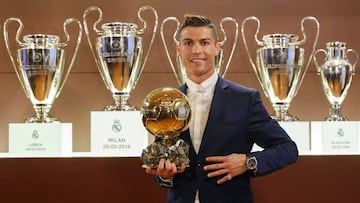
(204, 43)
(187, 43)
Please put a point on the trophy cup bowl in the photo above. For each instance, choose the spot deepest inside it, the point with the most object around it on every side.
(280, 66)
(41, 67)
(336, 75)
(179, 69)
(119, 57)
(118, 54)
(165, 114)
(280, 72)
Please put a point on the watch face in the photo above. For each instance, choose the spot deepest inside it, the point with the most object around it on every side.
(251, 163)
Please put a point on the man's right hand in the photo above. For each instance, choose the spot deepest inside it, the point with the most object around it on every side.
(165, 169)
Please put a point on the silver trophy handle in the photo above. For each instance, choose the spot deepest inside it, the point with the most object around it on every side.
(99, 32)
(303, 41)
(356, 59)
(166, 47)
(6, 38)
(255, 68)
(302, 73)
(87, 11)
(64, 44)
(318, 68)
(223, 73)
(141, 31)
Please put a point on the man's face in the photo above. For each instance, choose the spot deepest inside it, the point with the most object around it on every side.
(197, 48)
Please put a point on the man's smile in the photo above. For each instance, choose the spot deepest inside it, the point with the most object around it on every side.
(196, 60)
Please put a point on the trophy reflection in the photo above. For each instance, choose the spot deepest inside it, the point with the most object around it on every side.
(336, 75)
(179, 69)
(280, 67)
(118, 54)
(165, 113)
(40, 66)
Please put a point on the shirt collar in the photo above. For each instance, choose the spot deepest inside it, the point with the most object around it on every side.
(207, 86)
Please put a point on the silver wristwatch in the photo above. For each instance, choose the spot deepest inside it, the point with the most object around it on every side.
(251, 162)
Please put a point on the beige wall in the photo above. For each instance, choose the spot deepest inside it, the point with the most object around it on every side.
(84, 90)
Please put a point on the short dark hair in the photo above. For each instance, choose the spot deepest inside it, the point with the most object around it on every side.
(198, 21)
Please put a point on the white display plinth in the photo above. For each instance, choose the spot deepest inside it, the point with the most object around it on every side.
(118, 133)
(299, 132)
(40, 139)
(335, 137)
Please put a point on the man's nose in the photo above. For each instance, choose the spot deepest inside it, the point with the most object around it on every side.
(196, 48)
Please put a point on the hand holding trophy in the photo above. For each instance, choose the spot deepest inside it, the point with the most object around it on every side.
(179, 69)
(40, 66)
(336, 75)
(118, 54)
(280, 67)
(165, 113)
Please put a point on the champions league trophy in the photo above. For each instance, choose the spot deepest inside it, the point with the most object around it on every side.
(40, 66)
(179, 69)
(165, 113)
(119, 55)
(336, 75)
(280, 66)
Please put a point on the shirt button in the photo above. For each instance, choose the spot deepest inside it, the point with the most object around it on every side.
(198, 164)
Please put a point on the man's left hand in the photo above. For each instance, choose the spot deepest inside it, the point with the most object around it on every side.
(226, 166)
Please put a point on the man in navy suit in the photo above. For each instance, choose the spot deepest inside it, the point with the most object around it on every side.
(228, 119)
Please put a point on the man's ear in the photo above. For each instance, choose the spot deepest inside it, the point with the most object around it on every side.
(177, 48)
(218, 47)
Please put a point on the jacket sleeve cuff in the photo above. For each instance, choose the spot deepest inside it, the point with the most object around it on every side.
(165, 182)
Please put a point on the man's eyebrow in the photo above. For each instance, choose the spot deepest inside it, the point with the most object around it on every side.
(187, 39)
(202, 39)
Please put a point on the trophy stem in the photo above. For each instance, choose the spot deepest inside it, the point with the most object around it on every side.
(42, 114)
(282, 114)
(168, 142)
(335, 113)
(121, 103)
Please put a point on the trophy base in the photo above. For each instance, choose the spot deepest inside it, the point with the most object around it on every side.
(115, 107)
(35, 119)
(332, 118)
(336, 118)
(286, 117)
(177, 153)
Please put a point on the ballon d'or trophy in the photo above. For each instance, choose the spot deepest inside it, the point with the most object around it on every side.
(165, 114)
(40, 66)
(336, 75)
(118, 53)
(179, 69)
(280, 66)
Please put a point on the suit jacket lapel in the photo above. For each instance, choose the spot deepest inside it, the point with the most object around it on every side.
(215, 110)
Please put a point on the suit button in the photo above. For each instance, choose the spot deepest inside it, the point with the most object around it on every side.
(198, 163)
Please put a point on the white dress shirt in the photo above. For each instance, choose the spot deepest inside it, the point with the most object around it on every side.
(200, 97)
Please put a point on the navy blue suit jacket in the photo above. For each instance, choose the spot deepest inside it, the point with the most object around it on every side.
(237, 120)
